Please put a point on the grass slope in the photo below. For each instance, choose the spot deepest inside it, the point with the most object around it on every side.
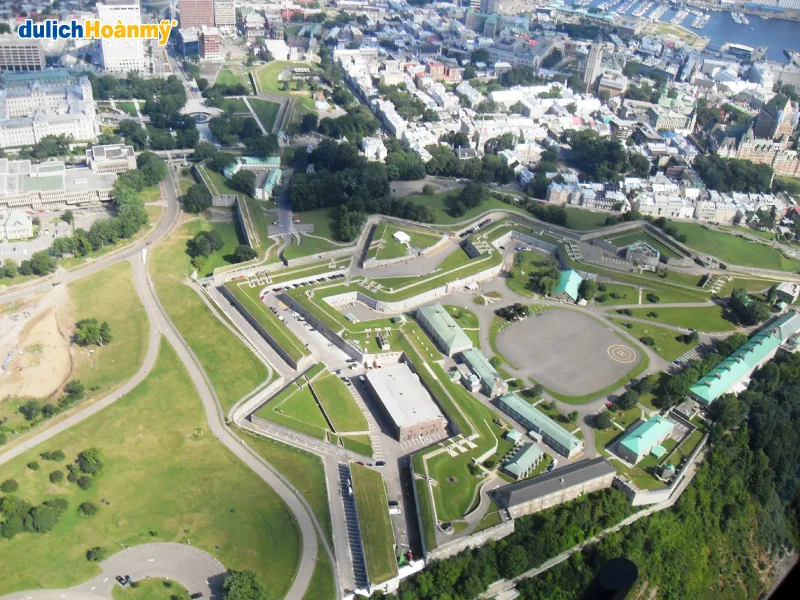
(376, 527)
(164, 475)
(339, 404)
(703, 318)
(266, 111)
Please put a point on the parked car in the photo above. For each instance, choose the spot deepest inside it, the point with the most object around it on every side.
(121, 580)
(380, 463)
(394, 511)
(196, 595)
(360, 463)
(394, 503)
(128, 579)
(361, 378)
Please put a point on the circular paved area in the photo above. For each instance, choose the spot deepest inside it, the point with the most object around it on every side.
(193, 568)
(567, 352)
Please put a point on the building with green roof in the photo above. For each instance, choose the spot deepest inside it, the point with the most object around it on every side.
(523, 461)
(252, 163)
(450, 338)
(491, 383)
(735, 369)
(644, 439)
(555, 436)
(567, 286)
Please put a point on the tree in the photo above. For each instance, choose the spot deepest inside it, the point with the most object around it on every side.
(428, 190)
(56, 476)
(309, 122)
(9, 486)
(243, 585)
(263, 145)
(573, 416)
(42, 263)
(647, 341)
(243, 253)
(587, 289)
(96, 554)
(41, 519)
(90, 461)
(85, 482)
(628, 400)
(87, 509)
(204, 150)
(197, 198)
(602, 420)
(67, 217)
(243, 181)
(89, 332)
(31, 410)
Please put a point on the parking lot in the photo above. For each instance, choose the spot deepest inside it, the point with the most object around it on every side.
(567, 352)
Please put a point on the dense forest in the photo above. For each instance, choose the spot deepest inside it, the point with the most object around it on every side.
(720, 540)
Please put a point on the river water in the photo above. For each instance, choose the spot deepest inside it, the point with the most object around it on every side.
(776, 34)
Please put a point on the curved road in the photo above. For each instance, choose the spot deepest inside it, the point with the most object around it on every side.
(160, 324)
(191, 567)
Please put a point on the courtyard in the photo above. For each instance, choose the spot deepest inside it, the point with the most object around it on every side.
(568, 352)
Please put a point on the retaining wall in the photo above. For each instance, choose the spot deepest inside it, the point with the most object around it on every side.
(263, 332)
(475, 540)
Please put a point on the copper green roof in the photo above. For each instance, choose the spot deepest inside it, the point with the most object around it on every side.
(481, 366)
(647, 435)
(743, 360)
(568, 284)
(523, 460)
(444, 326)
(536, 418)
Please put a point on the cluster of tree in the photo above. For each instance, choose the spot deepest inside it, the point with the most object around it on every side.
(215, 95)
(407, 105)
(602, 159)
(670, 229)
(160, 95)
(514, 312)
(742, 503)
(403, 164)
(18, 515)
(357, 124)
(750, 311)
(488, 169)
(549, 213)
(34, 410)
(471, 196)
(587, 289)
(197, 198)
(543, 276)
(552, 59)
(733, 174)
(230, 130)
(49, 145)
(643, 93)
(536, 538)
(88, 332)
(344, 178)
(243, 585)
(202, 245)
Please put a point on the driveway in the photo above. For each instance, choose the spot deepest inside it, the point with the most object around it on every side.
(194, 569)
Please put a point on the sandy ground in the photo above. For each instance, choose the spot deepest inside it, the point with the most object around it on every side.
(38, 332)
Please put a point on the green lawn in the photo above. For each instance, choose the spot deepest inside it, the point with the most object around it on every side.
(734, 249)
(585, 220)
(323, 583)
(268, 81)
(323, 219)
(441, 203)
(288, 341)
(358, 443)
(229, 77)
(129, 108)
(759, 233)
(300, 413)
(627, 238)
(165, 480)
(519, 277)
(151, 589)
(425, 503)
(626, 295)
(339, 404)
(304, 471)
(266, 111)
(241, 371)
(150, 194)
(109, 295)
(387, 247)
(308, 246)
(751, 285)
(465, 318)
(667, 347)
(229, 232)
(237, 104)
(702, 318)
(376, 527)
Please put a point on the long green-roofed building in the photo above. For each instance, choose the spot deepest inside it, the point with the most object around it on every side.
(491, 383)
(567, 286)
(735, 369)
(645, 439)
(555, 436)
(443, 329)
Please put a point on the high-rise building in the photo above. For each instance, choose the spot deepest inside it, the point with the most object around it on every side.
(224, 14)
(196, 13)
(209, 43)
(126, 54)
(17, 54)
(594, 64)
(488, 6)
(776, 120)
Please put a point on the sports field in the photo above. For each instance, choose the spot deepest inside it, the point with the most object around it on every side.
(375, 524)
(163, 479)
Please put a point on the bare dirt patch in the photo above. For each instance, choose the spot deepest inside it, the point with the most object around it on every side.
(43, 361)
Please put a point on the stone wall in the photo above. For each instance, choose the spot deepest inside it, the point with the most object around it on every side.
(475, 540)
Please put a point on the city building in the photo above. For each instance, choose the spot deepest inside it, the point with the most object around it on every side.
(787, 292)
(450, 338)
(271, 182)
(210, 48)
(196, 13)
(17, 226)
(225, 15)
(52, 102)
(523, 460)
(643, 255)
(491, 383)
(776, 120)
(559, 486)
(252, 163)
(594, 64)
(555, 436)
(614, 83)
(407, 405)
(732, 374)
(112, 158)
(567, 286)
(51, 186)
(17, 54)
(122, 55)
(374, 149)
(645, 438)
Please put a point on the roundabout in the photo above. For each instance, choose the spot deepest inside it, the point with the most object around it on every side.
(568, 352)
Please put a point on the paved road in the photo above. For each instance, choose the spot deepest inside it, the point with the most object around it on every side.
(194, 569)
